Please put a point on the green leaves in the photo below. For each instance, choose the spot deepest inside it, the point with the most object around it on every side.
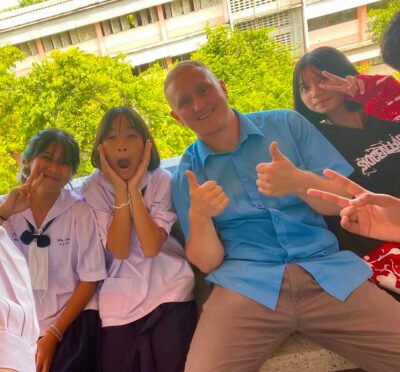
(72, 90)
(380, 19)
(255, 68)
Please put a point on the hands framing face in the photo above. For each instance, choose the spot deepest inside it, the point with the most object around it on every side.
(373, 215)
(118, 183)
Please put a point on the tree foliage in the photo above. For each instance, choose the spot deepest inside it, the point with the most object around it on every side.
(255, 68)
(23, 3)
(72, 89)
(380, 18)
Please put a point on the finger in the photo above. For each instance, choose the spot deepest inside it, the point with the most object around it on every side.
(361, 86)
(46, 365)
(352, 85)
(332, 77)
(377, 199)
(193, 184)
(103, 160)
(35, 184)
(35, 173)
(329, 197)
(350, 226)
(223, 204)
(351, 187)
(275, 153)
(219, 199)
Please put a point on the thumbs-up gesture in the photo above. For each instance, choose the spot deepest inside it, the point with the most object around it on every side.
(277, 177)
(208, 199)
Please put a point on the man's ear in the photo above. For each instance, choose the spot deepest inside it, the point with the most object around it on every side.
(223, 87)
(176, 117)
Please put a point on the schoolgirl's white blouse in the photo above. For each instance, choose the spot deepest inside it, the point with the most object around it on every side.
(137, 285)
(19, 329)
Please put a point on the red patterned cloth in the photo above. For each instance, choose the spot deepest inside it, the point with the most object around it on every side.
(385, 264)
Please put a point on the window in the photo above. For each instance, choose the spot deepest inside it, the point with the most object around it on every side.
(67, 38)
(240, 5)
(332, 19)
(180, 7)
(29, 48)
(141, 68)
(276, 20)
(128, 21)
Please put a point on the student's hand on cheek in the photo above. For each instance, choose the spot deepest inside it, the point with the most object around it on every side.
(46, 347)
(134, 182)
(277, 177)
(109, 173)
(206, 200)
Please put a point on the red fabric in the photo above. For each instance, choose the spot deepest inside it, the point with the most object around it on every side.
(385, 264)
(381, 98)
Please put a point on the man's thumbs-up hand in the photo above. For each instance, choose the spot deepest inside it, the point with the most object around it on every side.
(277, 177)
(206, 200)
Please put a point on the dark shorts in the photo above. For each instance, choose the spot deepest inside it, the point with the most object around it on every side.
(157, 342)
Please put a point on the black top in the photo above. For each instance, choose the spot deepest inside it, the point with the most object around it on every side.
(374, 153)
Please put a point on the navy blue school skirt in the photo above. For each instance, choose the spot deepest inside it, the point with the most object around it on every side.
(80, 349)
(158, 342)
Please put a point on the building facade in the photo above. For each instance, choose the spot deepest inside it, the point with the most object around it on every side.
(165, 30)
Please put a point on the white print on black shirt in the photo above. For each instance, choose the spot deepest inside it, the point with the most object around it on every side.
(376, 153)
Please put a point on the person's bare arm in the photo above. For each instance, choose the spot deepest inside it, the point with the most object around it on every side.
(204, 247)
(373, 215)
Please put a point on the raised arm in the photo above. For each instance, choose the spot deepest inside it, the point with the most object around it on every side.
(204, 248)
(150, 235)
(119, 231)
(280, 177)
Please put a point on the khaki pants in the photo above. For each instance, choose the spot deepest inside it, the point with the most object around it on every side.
(236, 334)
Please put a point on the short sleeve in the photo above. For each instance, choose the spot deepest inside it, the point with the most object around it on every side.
(158, 199)
(91, 261)
(316, 151)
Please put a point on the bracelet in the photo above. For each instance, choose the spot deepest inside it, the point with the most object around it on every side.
(122, 205)
(53, 330)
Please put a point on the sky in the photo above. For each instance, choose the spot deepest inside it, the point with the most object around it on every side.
(7, 3)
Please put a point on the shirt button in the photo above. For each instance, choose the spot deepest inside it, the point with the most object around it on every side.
(276, 219)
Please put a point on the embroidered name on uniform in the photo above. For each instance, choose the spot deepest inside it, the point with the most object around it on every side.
(63, 241)
(376, 153)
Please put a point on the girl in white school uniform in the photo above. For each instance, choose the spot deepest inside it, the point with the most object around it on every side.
(19, 329)
(57, 233)
(146, 305)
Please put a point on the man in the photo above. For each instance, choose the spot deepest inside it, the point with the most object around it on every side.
(241, 195)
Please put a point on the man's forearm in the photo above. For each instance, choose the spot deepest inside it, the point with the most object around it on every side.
(203, 248)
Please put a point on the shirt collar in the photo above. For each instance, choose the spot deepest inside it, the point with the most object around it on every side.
(247, 128)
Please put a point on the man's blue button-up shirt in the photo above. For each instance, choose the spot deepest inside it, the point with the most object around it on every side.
(262, 234)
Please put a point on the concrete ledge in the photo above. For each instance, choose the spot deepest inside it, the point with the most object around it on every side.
(298, 353)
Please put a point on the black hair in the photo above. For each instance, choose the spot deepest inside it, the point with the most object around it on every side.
(325, 59)
(390, 44)
(136, 122)
(43, 139)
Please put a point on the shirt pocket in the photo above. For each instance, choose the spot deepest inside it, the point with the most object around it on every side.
(12, 317)
(120, 296)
